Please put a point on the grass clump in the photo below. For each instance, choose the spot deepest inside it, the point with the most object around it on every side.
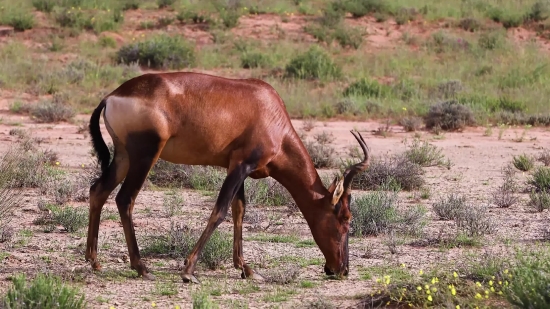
(9, 197)
(449, 116)
(425, 154)
(398, 170)
(349, 36)
(166, 174)
(71, 219)
(523, 162)
(529, 280)
(18, 17)
(267, 192)
(473, 221)
(379, 213)
(172, 204)
(179, 241)
(449, 207)
(367, 88)
(44, 291)
(48, 112)
(320, 150)
(250, 60)
(315, 63)
(539, 201)
(411, 124)
(504, 196)
(544, 157)
(161, 51)
(540, 179)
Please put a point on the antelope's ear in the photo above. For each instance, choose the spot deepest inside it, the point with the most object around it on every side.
(336, 189)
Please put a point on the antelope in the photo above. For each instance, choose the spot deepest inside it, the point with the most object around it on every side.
(199, 119)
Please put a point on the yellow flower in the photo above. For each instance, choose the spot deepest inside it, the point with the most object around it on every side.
(433, 280)
(419, 288)
(434, 289)
(453, 291)
(153, 304)
(404, 108)
(478, 296)
(506, 271)
(455, 274)
(457, 307)
(492, 289)
(112, 307)
(177, 307)
(478, 284)
(57, 163)
(421, 272)
(490, 282)
(403, 265)
(427, 286)
(430, 298)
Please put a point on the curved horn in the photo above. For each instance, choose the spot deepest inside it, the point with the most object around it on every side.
(359, 167)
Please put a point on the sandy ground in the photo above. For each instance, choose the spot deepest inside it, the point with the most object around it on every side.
(477, 161)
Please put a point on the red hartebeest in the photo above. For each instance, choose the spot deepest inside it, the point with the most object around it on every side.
(200, 119)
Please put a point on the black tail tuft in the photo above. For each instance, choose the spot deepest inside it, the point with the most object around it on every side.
(103, 154)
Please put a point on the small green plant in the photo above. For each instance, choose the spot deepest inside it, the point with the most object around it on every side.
(544, 157)
(47, 111)
(44, 291)
(251, 60)
(379, 213)
(474, 222)
(160, 51)
(320, 150)
(315, 63)
(504, 196)
(528, 286)
(19, 18)
(540, 179)
(45, 6)
(349, 37)
(165, 3)
(425, 154)
(449, 207)
(71, 219)
(523, 162)
(367, 88)
(172, 204)
(411, 124)
(539, 201)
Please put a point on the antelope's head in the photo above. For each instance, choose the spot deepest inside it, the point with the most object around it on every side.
(331, 231)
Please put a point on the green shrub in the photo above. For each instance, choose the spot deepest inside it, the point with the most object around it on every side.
(396, 170)
(470, 24)
(540, 11)
(230, 18)
(360, 8)
(450, 207)
(320, 150)
(539, 201)
(492, 40)
(449, 115)
(315, 63)
(425, 154)
(473, 221)
(44, 5)
(540, 179)
(166, 174)
(161, 51)
(523, 162)
(255, 60)
(544, 157)
(367, 88)
(411, 124)
(10, 198)
(19, 18)
(349, 36)
(333, 14)
(504, 196)
(71, 219)
(44, 291)
(379, 213)
(179, 241)
(165, 3)
(267, 192)
(70, 17)
(52, 112)
(529, 279)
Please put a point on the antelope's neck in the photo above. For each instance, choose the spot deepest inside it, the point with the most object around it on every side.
(295, 171)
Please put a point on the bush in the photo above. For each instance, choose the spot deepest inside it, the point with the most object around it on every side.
(172, 204)
(504, 196)
(28, 166)
(315, 63)
(539, 201)
(160, 51)
(473, 221)
(540, 179)
(470, 24)
(255, 60)
(19, 18)
(367, 88)
(523, 162)
(540, 11)
(349, 36)
(450, 116)
(44, 291)
(71, 219)
(544, 157)
(179, 241)
(45, 6)
(230, 18)
(320, 150)
(9, 197)
(378, 213)
(531, 274)
(166, 174)
(397, 170)
(425, 154)
(267, 192)
(165, 3)
(492, 40)
(450, 207)
(360, 8)
(52, 112)
(411, 124)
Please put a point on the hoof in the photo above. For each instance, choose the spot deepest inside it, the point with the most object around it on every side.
(190, 279)
(149, 277)
(95, 265)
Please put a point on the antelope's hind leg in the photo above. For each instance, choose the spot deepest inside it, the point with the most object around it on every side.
(238, 209)
(99, 192)
(143, 149)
